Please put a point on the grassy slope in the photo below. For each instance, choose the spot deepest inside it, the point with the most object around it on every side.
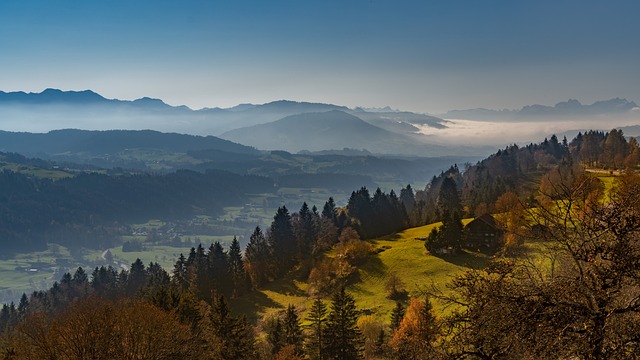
(403, 254)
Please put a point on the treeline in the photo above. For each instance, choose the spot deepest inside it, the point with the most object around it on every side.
(518, 169)
(200, 283)
(608, 150)
(89, 210)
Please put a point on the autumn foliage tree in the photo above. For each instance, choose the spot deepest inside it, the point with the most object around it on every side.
(415, 336)
(99, 329)
(583, 303)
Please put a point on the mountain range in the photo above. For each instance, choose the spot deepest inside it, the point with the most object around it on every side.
(563, 110)
(379, 131)
(284, 125)
(54, 109)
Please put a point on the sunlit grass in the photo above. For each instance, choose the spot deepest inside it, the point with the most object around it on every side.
(403, 253)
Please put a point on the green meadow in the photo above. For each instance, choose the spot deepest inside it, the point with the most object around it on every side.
(402, 253)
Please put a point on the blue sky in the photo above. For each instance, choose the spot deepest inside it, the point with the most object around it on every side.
(427, 56)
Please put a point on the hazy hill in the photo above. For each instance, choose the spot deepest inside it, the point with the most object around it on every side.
(111, 142)
(327, 130)
(54, 109)
(401, 122)
(567, 109)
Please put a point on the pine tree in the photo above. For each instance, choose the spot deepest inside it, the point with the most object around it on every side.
(218, 270)
(257, 258)
(233, 337)
(448, 198)
(23, 306)
(407, 198)
(317, 319)
(236, 267)
(275, 336)
(282, 242)
(329, 210)
(180, 273)
(304, 230)
(136, 278)
(396, 315)
(342, 337)
(292, 330)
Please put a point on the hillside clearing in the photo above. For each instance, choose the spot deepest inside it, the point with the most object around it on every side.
(402, 253)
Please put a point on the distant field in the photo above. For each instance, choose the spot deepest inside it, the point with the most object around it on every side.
(37, 172)
(26, 273)
(608, 181)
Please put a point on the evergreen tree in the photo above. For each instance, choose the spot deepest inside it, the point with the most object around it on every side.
(282, 242)
(329, 210)
(304, 230)
(342, 337)
(236, 267)
(199, 283)
(275, 336)
(218, 270)
(257, 258)
(232, 337)
(292, 330)
(136, 278)
(407, 198)
(448, 198)
(396, 315)
(23, 306)
(180, 273)
(104, 281)
(317, 321)
(380, 343)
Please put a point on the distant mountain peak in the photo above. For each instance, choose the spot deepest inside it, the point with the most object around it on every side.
(51, 95)
(150, 102)
(569, 108)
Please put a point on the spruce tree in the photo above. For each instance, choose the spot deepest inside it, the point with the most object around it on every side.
(329, 210)
(257, 258)
(396, 315)
(275, 336)
(292, 331)
(342, 337)
(317, 318)
(407, 197)
(232, 337)
(236, 267)
(180, 273)
(282, 242)
(23, 306)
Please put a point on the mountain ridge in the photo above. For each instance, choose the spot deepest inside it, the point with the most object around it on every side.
(111, 141)
(564, 109)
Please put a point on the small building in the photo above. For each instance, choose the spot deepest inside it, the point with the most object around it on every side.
(482, 233)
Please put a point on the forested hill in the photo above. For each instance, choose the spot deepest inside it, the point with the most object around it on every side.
(113, 141)
(518, 170)
(88, 209)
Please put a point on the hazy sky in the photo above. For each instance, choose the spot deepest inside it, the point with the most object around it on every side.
(427, 56)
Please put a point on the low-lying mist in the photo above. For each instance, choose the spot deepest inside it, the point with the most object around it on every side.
(486, 133)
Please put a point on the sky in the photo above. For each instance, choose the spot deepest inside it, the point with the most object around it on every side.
(424, 56)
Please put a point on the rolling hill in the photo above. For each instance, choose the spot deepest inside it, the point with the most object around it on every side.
(111, 142)
(328, 130)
